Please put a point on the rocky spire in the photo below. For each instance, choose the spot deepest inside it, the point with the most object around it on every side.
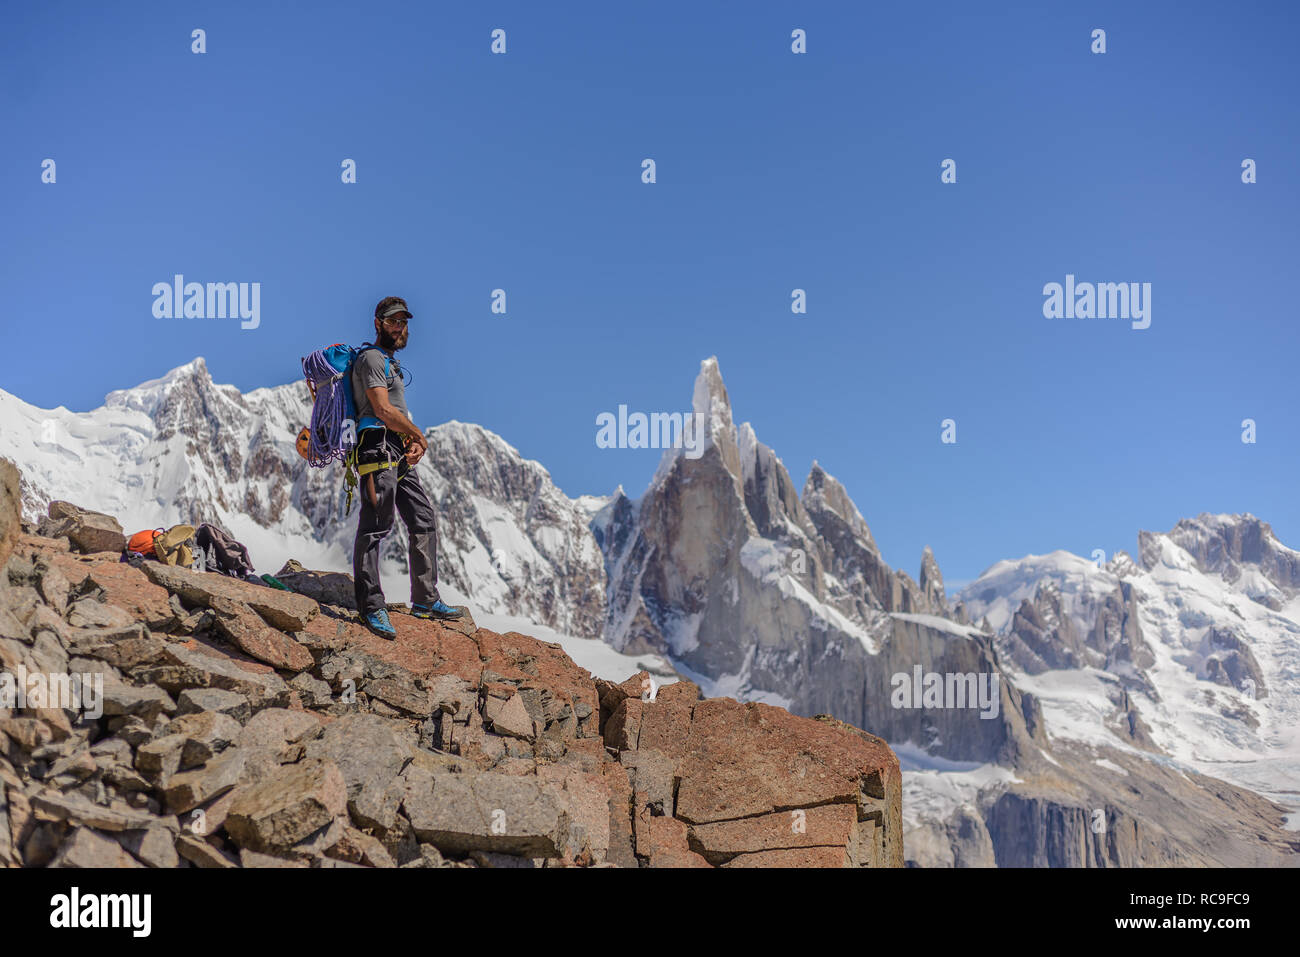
(710, 398)
(823, 493)
(932, 581)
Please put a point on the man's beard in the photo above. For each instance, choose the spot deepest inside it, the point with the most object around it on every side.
(391, 342)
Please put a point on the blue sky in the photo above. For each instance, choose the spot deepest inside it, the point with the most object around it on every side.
(775, 171)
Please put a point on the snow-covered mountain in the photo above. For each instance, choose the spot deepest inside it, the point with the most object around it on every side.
(1193, 653)
(1114, 688)
(183, 449)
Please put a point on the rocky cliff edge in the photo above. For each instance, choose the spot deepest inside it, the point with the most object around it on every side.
(246, 726)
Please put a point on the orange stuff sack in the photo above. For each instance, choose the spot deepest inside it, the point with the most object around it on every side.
(142, 542)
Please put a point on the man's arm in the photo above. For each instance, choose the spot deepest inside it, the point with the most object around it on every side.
(392, 417)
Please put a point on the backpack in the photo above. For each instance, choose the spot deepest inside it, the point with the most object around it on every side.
(172, 547)
(218, 552)
(334, 426)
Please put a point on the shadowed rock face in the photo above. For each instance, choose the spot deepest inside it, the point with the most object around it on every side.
(1042, 637)
(1222, 543)
(1000, 733)
(1117, 634)
(1045, 635)
(246, 726)
(850, 553)
(1071, 816)
(1230, 662)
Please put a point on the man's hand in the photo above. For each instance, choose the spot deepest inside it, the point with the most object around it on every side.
(416, 448)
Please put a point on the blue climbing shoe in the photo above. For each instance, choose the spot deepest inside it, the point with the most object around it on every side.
(377, 621)
(437, 610)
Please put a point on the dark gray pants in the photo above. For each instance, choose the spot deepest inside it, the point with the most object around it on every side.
(397, 490)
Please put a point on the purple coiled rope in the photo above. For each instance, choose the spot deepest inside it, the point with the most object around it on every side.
(327, 414)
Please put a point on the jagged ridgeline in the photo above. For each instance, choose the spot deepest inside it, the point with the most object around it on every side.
(1057, 711)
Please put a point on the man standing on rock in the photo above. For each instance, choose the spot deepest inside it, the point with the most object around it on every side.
(388, 446)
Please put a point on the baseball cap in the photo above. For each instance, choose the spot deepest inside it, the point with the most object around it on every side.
(391, 306)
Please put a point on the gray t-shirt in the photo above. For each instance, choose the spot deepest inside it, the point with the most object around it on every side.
(368, 373)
